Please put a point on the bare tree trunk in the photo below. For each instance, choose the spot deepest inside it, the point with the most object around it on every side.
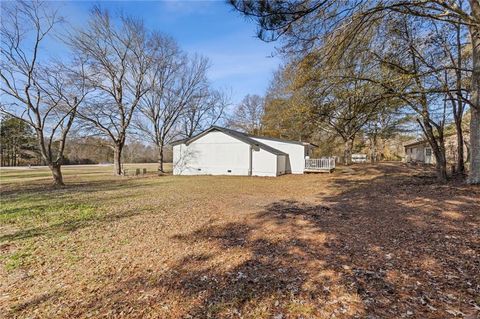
(160, 159)
(117, 159)
(14, 153)
(373, 149)
(347, 152)
(57, 174)
(441, 165)
(458, 107)
(438, 147)
(437, 143)
(460, 154)
(474, 175)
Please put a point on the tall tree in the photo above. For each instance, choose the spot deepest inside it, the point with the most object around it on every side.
(344, 108)
(452, 39)
(119, 55)
(248, 114)
(342, 97)
(385, 124)
(17, 141)
(410, 59)
(44, 95)
(204, 110)
(304, 24)
(176, 82)
(285, 114)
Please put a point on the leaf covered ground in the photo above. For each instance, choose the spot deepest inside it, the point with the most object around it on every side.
(380, 241)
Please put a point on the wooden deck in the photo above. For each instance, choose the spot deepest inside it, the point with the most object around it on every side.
(319, 165)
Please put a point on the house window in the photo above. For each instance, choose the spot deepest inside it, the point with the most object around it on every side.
(428, 152)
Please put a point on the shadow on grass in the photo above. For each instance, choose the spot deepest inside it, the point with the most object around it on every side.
(271, 278)
(36, 301)
(390, 246)
(71, 224)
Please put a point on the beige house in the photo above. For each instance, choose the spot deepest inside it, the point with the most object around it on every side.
(419, 152)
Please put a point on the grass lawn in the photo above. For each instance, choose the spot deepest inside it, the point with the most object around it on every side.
(380, 241)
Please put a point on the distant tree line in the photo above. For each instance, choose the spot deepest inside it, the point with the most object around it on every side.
(18, 147)
(17, 143)
(356, 68)
(119, 82)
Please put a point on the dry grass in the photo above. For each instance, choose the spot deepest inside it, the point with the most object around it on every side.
(40, 175)
(376, 242)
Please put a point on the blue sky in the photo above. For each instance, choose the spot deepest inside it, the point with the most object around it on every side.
(240, 63)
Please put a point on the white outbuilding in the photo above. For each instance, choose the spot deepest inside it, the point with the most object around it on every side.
(222, 151)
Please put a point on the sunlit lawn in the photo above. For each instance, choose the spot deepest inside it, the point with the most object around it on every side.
(382, 241)
(71, 173)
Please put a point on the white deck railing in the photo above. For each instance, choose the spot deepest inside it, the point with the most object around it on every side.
(319, 164)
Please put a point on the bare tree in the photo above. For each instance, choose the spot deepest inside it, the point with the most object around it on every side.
(248, 114)
(118, 58)
(456, 69)
(410, 57)
(205, 110)
(44, 95)
(177, 82)
(385, 124)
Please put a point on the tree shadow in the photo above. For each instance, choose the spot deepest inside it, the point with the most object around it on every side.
(69, 225)
(36, 301)
(386, 245)
(411, 243)
(243, 274)
(382, 247)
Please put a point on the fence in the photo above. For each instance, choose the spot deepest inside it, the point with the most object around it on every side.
(320, 164)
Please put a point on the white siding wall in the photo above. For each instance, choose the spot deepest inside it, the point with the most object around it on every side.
(214, 154)
(264, 163)
(281, 164)
(416, 153)
(296, 154)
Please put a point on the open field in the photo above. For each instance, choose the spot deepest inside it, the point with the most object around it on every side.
(71, 173)
(367, 242)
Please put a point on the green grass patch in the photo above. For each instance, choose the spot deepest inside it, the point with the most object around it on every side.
(29, 211)
(18, 259)
(30, 216)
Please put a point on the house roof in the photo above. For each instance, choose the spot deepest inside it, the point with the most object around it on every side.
(415, 143)
(282, 140)
(239, 136)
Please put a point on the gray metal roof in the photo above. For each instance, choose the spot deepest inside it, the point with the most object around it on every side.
(235, 134)
(282, 140)
(416, 143)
